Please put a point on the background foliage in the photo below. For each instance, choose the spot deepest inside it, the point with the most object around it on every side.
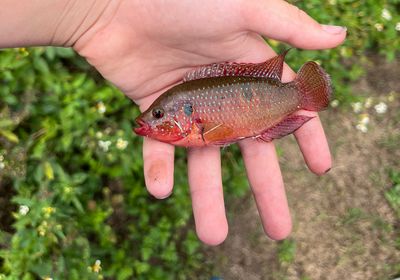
(73, 202)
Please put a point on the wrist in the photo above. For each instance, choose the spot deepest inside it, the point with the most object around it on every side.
(51, 22)
(81, 20)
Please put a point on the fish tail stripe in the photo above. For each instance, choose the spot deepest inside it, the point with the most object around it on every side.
(314, 86)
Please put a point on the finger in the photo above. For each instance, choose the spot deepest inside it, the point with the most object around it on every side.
(204, 168)
(282, 21)
(266, 182)
(158, 163)
(313, 144)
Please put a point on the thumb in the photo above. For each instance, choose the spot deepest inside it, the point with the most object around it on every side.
(279, 20)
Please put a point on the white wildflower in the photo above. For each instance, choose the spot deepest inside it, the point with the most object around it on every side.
(364, 119)
(381, 108)
(1, 157)
(397, 27)
(379, 26)
(104, 145)
(97, 266)
(101, 108)
(23, 210)
(386, 14)
(99, 134)
(362, 123)
(368, 102)
(357, 107)
(121, 144)
(362, 127)
(334, 103)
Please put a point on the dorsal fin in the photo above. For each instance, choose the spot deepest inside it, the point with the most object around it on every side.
(271, 68)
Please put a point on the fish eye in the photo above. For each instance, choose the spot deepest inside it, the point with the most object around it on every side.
(158, 113)
(188, 109)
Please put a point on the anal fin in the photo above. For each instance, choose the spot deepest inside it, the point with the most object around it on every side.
(285, 127)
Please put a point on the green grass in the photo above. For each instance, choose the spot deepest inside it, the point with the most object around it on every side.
(393, 197)
(393, 194)
(286, 251)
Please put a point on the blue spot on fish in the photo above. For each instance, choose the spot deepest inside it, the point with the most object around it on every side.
(188, 109)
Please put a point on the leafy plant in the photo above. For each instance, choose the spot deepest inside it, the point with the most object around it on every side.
(82, 209)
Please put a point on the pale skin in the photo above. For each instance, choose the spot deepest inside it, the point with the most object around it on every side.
(145, 47)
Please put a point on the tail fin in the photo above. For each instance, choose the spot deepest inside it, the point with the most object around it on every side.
(315, 87)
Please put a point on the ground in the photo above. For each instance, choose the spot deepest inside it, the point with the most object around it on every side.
(344, 227)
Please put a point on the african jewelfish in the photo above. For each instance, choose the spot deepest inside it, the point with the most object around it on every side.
(223, 103)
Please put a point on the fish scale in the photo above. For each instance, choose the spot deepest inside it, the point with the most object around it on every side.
(224, 98)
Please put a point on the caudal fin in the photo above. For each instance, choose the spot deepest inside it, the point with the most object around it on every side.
(315, 87)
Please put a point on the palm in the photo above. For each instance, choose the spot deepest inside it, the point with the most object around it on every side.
(146, 48)
(144, 60)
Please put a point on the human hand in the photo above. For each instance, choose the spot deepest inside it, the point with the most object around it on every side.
(145, 47)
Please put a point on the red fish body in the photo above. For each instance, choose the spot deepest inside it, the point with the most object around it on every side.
(223, 103)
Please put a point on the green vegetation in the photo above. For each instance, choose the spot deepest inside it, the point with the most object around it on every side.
(393, 197)
(78, 193)
(286, 251)
(73, 200)
(373, 28)
(393, 194)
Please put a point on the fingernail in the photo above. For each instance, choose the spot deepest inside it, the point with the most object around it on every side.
(333, 29)
(326, 171)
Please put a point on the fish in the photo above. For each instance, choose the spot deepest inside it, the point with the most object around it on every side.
(222, 103)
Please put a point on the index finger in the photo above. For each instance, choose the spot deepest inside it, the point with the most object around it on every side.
(279, 20)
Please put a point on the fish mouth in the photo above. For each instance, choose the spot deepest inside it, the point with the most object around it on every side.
(143, 128)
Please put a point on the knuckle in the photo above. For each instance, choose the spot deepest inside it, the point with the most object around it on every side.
(300, 14)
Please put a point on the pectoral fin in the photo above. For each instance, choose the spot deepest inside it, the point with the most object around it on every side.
(215, 133)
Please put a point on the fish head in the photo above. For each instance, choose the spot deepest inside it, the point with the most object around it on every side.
(166, 120)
